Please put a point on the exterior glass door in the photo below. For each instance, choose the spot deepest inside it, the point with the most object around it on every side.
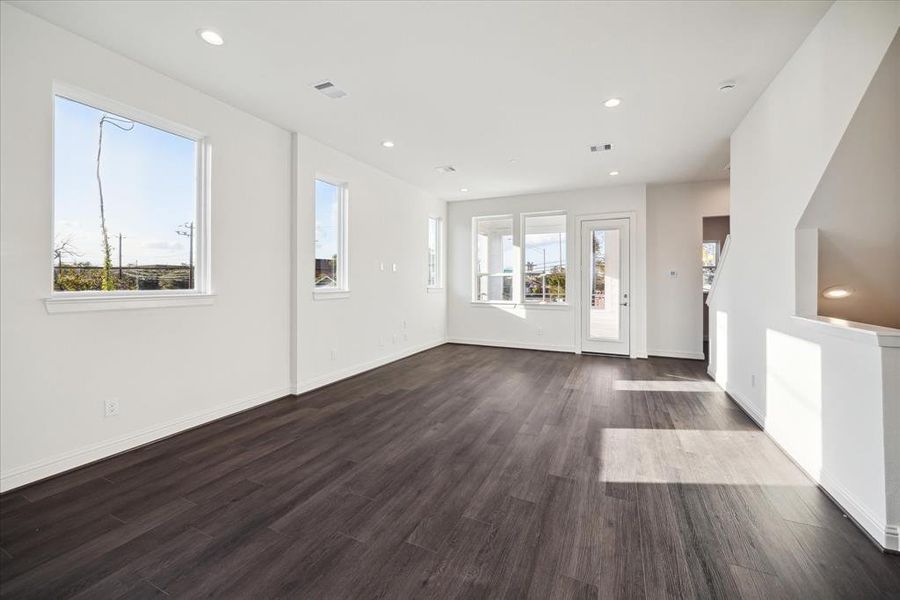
(605, 286)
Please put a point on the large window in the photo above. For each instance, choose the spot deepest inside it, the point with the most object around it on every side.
(434, 252)
(494, 259)
(545, 258)
(331, 236)
(128, 201)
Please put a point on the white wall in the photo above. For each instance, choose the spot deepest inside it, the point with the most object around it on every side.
(169, 367)
(389, 314)
(817, 388)
(856, 207)
(674, 233)
(528, 326)
(264, 336)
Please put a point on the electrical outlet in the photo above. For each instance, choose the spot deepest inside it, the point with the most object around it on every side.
(381, 266)
(333, 354)
(394, 267)
(111, 408)
(753, 381)
(403, 323)
(540, 331)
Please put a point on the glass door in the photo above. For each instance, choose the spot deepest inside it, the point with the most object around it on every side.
(605, 286)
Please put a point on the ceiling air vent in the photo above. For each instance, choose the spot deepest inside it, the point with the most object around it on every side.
(445, 169)
(329, 89)
(601, 147)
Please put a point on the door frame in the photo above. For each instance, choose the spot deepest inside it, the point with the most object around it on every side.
(632, 272)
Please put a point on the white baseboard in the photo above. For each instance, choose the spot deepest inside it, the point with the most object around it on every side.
(885, 535)
(66, 461)
(677, 354)
(748, 408)
(335, 376)
(506, 344)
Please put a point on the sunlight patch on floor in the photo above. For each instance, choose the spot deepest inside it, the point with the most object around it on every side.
(694, 456)
(666, 386)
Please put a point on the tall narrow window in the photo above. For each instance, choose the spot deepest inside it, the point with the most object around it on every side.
(331, 236)
(545, 258)
(494, 259)
(709, 256)
(127, 201)
(434, 252)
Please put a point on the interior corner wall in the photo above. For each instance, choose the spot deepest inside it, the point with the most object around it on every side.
(674, 233)
(170, 368)
(538, 327)
(819, 395)
(856, 207)
(389, 313)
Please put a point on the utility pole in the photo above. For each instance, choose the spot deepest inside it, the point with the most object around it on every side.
(187, 231)
(120, 255)
(544, 278)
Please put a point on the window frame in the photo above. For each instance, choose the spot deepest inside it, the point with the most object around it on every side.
(342, 289)
(705, 268)
(438, 283)
(475, 273)
(524, 259)
(91, 300)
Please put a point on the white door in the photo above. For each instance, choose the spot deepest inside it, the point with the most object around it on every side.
(605, 286)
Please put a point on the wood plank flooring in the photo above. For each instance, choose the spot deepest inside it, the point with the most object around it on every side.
(460, 472)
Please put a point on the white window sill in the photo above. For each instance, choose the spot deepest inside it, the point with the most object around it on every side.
(69, 304)
(525, 305)
(434, 290)
(330, 294)
(547, 306)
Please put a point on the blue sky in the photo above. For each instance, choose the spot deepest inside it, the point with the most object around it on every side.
(539, 245)
(148, 187)
(327, 205)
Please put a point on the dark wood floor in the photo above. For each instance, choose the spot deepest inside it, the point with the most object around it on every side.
(458, 472)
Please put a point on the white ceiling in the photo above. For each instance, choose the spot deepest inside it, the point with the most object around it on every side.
(476, 85)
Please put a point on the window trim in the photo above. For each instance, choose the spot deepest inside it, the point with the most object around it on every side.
(342, 289)
(704, 268)
(92, 300)
(545, 213)
(473, 264)
(438, 254)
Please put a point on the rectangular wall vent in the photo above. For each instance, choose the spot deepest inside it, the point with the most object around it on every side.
(601, 147)
(329, 89)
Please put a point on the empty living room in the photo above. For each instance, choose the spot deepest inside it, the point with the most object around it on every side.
(437, 299)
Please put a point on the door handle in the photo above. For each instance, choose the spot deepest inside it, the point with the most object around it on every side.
(623, 304)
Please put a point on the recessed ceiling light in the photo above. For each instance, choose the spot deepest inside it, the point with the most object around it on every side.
(838, 291)
(445, 169)
(612, 103)
(727, 86)
(613, 173)
(210, 37)
(387, 144)
(464, 190)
